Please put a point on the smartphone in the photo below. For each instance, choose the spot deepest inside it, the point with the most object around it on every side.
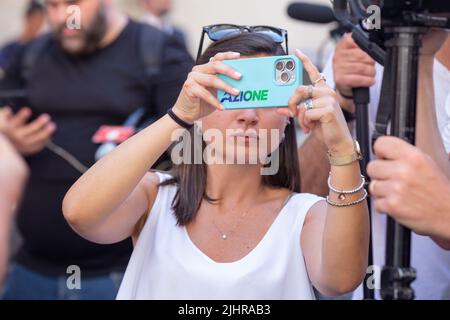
(267, 82)
(16, 100)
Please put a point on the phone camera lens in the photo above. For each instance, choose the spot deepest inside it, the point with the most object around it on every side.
(280, 66)
(290, 65)
(285, 77)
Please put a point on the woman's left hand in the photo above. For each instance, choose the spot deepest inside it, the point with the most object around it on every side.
(324, 116)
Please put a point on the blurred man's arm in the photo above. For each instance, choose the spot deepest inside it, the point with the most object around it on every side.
(411, 188)
(407, 183)
(314, 166)
(428, 137)
(27, 137)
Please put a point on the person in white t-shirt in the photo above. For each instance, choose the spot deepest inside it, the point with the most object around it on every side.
(351, 67)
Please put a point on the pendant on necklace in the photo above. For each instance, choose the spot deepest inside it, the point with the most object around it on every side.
(224, 237)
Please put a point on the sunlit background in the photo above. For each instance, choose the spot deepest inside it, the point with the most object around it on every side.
(191, 15)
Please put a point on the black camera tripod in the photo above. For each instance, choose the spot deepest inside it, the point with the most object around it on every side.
(401, 38)
(398, 105)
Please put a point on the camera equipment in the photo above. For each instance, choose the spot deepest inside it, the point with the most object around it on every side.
(309, 12)
(316, 13)
(402, 25)
(322, 14)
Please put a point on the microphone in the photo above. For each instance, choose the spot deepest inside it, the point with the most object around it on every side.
(309, 12)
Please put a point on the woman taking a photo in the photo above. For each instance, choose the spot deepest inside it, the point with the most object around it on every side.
(224, 231)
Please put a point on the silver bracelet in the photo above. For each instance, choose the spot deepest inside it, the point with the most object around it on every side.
(347, 204)
(359, 188)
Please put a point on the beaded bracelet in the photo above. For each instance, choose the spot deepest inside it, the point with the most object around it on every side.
(347, 204)
(360, 186)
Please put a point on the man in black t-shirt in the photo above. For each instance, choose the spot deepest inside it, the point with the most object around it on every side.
(80, 79)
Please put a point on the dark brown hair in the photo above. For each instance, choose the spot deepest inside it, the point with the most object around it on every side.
(191, 178)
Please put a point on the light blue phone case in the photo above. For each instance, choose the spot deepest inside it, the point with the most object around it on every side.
(259, 85)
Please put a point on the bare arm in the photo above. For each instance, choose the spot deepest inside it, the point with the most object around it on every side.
(6, 219)
(351, 67)
(13, 175)
(408, 184)
(314, 165)
(107, 202)
(335, 241)
(428, 137)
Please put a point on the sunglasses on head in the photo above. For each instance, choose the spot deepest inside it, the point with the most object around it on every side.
(217, 32)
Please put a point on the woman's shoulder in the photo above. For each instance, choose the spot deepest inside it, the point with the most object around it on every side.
(305, 200)
(156, 182)
(151, 185)
(297, 199)
(153, 180)
(306, 196)
(159, 176)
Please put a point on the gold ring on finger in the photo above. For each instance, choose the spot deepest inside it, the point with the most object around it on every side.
(321, 78)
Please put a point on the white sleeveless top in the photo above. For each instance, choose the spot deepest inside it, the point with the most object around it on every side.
(166, 264)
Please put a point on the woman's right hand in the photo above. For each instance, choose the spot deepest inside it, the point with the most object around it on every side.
(198, 96)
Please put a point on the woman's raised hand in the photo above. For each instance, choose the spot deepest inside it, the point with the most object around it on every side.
(318, 110)
(198, 96)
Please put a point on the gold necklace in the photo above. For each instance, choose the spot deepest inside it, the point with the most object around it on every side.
(224, 235)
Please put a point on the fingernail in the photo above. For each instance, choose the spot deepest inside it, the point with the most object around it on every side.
(236, 54)
(238, 74)
(299, 51)
(236, 91)
(291, 113)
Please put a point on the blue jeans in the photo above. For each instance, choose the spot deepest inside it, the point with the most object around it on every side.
(24, 284)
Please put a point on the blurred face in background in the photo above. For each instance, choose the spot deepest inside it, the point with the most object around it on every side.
(86, 38)
(35, 21)
(158, 7)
